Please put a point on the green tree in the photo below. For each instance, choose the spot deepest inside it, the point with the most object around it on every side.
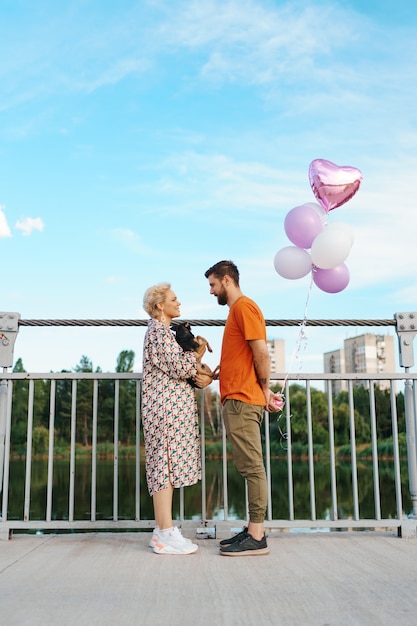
(84, 403)
(125, 361)
(383, 413)
(127, 398)
(40, 438)
(400, 412)
(63, 410)
(41, 401)
(18, 367)
(319, 412)
(20, 402)
(105, 417)
(19, 408)
(342, 421)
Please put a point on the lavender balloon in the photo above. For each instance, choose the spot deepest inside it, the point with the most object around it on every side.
(302, 225)
(333, 280)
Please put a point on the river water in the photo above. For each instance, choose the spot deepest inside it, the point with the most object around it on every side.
(192, 495)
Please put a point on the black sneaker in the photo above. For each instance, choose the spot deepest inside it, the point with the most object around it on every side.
(246, 546)
(238, 537)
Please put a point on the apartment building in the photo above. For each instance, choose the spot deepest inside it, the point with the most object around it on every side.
(276, 349)
(364, 354)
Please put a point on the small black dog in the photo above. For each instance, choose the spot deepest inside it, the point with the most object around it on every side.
(186, 339)
(184, 336)
(190, 343)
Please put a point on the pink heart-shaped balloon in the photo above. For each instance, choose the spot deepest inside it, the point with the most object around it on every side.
(333, 185)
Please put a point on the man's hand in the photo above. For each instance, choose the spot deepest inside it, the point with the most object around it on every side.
(216, 372)
(269, 400)
(275, 402)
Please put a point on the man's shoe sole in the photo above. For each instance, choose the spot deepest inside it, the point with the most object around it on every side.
(259, 552)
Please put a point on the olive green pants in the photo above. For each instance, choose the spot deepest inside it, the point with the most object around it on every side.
(243, 423)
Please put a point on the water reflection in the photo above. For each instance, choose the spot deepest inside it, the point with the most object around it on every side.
(192, 495)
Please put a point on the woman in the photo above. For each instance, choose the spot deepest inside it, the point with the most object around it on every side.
(169, 417)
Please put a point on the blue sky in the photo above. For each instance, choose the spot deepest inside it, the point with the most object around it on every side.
(142, 141)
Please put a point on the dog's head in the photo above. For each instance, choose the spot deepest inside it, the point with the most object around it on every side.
(184, 336)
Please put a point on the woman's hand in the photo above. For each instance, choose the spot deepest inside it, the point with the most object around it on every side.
(202, 380)
(204, 376)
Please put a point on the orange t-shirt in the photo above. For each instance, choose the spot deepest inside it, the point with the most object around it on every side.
(238, 378)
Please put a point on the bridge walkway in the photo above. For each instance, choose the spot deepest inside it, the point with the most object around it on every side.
(308, 579)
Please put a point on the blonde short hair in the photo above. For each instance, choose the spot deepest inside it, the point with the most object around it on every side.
(153, 296)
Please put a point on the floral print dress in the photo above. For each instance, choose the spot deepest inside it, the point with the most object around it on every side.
(169, 411)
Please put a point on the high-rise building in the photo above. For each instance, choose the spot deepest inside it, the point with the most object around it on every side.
(364, 354)
(334, 363)
(276, 349)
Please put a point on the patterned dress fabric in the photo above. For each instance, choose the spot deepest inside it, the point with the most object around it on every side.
(169, 411)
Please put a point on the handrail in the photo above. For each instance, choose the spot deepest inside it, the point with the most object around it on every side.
(208, 322)
(199, 523)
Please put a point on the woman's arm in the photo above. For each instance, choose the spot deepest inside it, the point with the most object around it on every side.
(168, 356)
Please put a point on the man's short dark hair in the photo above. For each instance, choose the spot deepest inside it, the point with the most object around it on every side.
(223, 268)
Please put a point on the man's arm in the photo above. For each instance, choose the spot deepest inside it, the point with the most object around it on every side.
(262, 364)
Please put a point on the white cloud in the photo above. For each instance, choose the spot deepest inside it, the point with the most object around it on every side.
(216, 181)
(245, 41)
(130, 240)
(29, 224)
(4, 227)
(114, 73)
(235, 40)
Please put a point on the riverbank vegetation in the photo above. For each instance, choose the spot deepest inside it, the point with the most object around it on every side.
(63, 404)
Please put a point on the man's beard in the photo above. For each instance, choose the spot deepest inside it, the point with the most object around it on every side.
(222, 297)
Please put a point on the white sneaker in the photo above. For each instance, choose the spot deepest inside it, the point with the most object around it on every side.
(174, 543)
(155, 537)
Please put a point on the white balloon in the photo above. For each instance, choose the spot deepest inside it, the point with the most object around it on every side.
(330, 248)
(292, 262)
(342, 227)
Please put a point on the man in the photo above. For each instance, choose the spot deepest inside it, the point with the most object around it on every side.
(244, 393)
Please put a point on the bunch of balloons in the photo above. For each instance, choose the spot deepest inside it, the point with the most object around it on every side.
(319, 247)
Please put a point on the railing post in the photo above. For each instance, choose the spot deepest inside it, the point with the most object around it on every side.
(406, 331)
(411, 444)
(3, 413)
(9, 327)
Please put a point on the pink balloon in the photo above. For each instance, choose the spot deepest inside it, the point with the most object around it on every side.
(319, 209)
(333, 185)
(333, 280)
(302, 225)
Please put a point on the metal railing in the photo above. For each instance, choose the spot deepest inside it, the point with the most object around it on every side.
(403, 520)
